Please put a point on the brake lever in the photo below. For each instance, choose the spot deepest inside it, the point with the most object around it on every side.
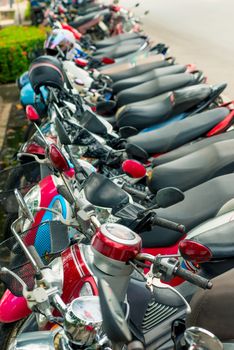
(153, 282)
(61, 218)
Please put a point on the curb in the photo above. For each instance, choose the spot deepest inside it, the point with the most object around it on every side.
(5, 114)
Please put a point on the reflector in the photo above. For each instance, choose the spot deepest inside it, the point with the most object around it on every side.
(133, 168)
(31, 113)
(108, 60)
(193, 251)
(57, 159)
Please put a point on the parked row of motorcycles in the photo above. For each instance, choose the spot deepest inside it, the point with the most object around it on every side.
(119, 215)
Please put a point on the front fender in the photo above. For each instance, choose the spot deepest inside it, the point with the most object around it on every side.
(13, 308)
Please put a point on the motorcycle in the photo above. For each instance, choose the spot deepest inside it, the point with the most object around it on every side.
(80, 265)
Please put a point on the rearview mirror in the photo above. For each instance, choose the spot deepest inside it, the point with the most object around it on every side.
(23, 206)
(168, 196)
(136, 152)
(114, 323)
(199, 338)
(62, 134)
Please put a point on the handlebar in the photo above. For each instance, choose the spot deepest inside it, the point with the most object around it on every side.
(141, 195)
(168, 224)
(169, 267)
(192, 278)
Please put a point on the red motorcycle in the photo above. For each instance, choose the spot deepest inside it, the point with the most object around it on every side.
(114, 254)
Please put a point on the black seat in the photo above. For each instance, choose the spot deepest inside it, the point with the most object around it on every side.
(81, 20)
(84, 10)
(195, 168)
(143, 114)
(137, 70)
(119, 50)
(154, 88)
(201, 203)
(178, 133)
(117, 39)
(220, 240)
(148, 76)
(102, 192)
(158, 109)
(192, 147)
(89, 16)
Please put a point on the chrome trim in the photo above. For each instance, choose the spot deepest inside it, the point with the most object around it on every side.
(104, 230)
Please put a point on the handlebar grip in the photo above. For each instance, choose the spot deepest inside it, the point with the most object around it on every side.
(134, 192)
(192, 278)
(169, 224)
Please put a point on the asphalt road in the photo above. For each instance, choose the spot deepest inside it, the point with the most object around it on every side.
(197, 31)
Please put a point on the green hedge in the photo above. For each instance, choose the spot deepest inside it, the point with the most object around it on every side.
(18, 46)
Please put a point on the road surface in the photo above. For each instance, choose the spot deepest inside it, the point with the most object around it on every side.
(197, 31)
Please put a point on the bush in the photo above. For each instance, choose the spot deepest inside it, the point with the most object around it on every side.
(18, 46)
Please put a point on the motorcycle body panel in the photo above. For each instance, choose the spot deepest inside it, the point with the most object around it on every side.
(17, 306)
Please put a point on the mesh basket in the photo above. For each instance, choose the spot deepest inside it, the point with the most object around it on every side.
(13, 257)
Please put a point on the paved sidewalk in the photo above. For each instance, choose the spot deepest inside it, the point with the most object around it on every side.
(9, 95)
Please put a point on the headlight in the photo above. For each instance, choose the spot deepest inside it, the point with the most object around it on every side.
(33, 198)
(58, 207)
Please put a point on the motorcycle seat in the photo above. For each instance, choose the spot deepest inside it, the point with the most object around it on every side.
(213, 309)
(148, 76)
(137, 70)
(219, 240)
(154, 88)
(192, 147)
(102, 192)
(201, 203)
(146, 113)
(81, 20)
(178, 133)
(119, 50)
(92, 8)
(116, 40)
(193, 169)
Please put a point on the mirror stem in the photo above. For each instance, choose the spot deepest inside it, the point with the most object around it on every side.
(23, 246)
(68, 187)
(142, 212)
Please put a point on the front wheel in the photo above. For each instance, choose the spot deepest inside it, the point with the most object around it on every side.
(9, 331)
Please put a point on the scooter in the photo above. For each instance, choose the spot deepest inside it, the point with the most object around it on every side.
(82, 264)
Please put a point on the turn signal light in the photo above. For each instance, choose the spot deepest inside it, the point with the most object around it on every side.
(108, 60)
(133, 168)
(193, 251)
(31, 113)
(57, 159)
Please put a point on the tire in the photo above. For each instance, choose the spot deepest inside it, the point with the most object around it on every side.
(14, 180)
(29, 132)
(9, 331)
(9, 219)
